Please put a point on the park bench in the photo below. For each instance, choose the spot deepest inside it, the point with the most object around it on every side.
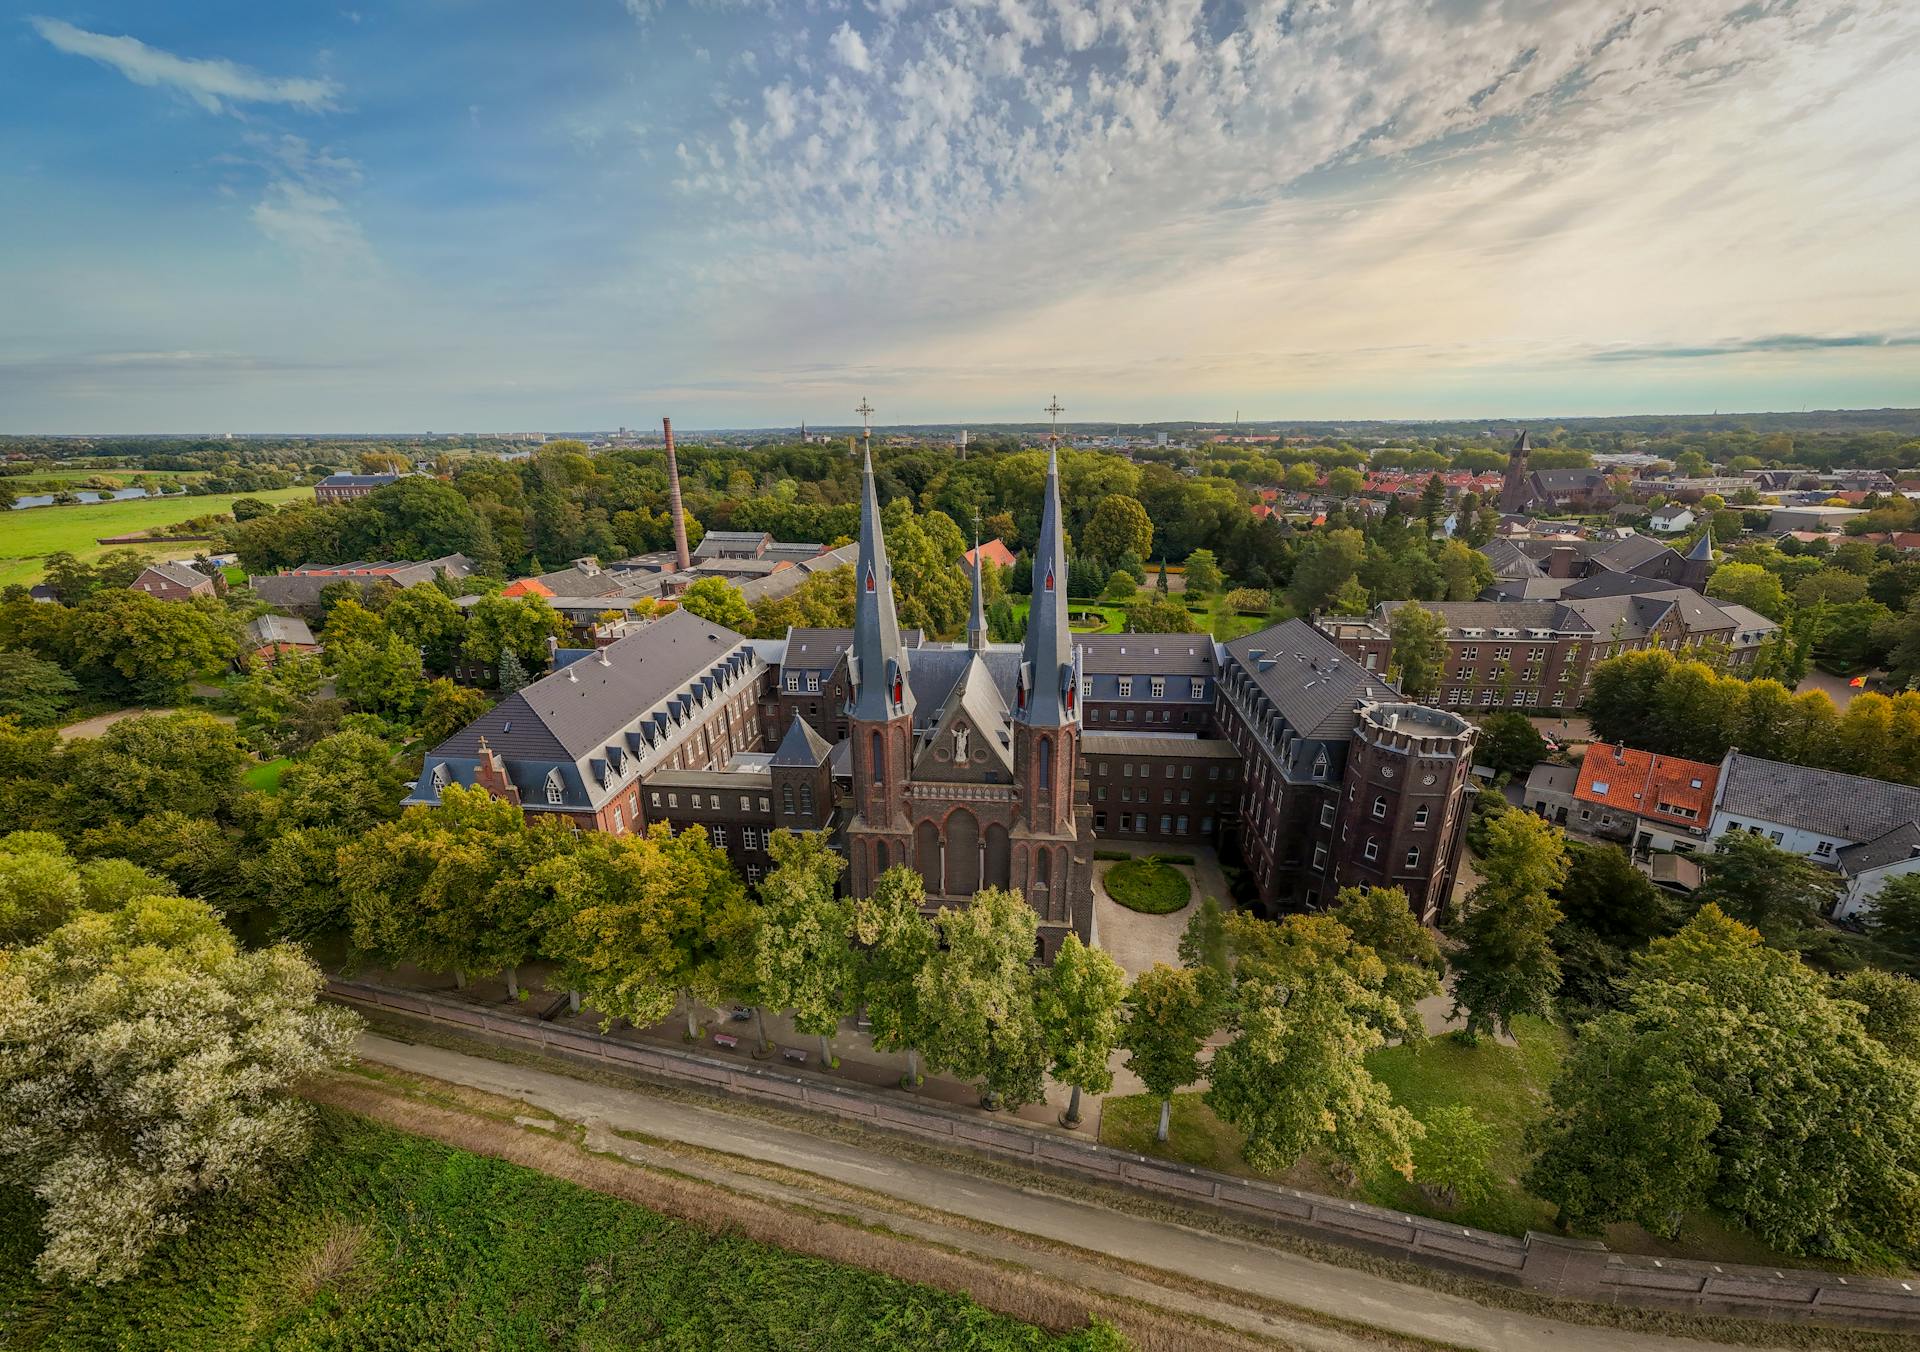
(795, 1055)
(727, 1040)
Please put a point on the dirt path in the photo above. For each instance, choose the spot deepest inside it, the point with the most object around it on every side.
(1090, 1245)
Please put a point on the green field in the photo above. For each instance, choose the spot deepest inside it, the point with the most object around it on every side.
(265, 777)
(27, 537)
(382, 1240)
(1216, 620)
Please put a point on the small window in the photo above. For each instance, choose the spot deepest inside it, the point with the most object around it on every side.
(786, 799)
(1601, 786)
(619, 822)
(1413, 856)
(1319, 858)
(1198, 688)
(1086, 687)
(1126, 686)
(1823, 849)
(1380, 806)
(806, 798)
(765, 804)
(1159, 685)
(718, 835)
(673, 800)
(1326, 814)
(1372, 849)
(753, 873)
(793, 682)
(1166, 824)
(1420, 815)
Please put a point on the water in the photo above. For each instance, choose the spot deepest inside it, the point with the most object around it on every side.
(88, 495)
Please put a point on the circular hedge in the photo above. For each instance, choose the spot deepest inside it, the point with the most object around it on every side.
(1148, 886)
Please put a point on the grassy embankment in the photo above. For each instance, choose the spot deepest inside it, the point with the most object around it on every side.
(28, 536)
(381, 1239)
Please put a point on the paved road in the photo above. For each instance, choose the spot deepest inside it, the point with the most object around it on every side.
(1188, 1252)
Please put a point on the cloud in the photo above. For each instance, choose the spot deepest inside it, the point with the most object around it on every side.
(1742, 347)
(214, 85)
(850, 48)
(312, 223)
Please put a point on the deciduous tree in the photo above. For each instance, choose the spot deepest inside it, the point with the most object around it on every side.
(1170, 1015)
(803, 956)
(976, 993)
(1506, 965)
(897, 942)
(1078, 1004)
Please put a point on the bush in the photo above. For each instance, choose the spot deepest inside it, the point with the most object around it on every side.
(1149, 886)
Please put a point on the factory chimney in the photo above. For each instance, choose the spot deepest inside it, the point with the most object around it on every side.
(682, 559)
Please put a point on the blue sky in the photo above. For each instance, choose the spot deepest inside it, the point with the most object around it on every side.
(463, 214)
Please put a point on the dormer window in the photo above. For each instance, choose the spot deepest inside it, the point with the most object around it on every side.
(556, 792)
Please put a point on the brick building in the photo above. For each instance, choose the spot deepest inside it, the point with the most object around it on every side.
(347, 487)
(172, 582)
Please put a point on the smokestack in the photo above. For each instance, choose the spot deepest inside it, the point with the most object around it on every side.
(681, 557)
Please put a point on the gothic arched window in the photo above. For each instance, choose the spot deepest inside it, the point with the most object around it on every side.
(1046, 763)
(879, 761)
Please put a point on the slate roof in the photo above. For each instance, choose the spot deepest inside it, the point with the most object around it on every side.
(1314, 686)
(588, 705)
(1825, 802)
(821, 648)
(1629, 552)
(716, 540)
(1094, 742)
(180, 574)
(978, 697)
(1528, 588)
(279, 629)
(1146, 654)
(359, 480)
(802, 746)
(1509, 559)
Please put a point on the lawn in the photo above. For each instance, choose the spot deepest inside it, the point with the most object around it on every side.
(265, 777)
(1148, 886)
(29, 536)
(386, 1240)
(1221, 623)
(1506, 1085)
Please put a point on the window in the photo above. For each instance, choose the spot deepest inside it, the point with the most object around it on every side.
(1046, 762)
(1127, 769)
(1186, 796)
(1186, 772)
(750, 837)
(1099, 821)
(1130, 714)
(1600, 786)
(619, 822)
(1420, 815)
(1319, 858)
(878, 761)
(764, 805)
(718, 835)
(1320, 766)
(746, 803)
(1380, 806)
(1100, 793)
(1126, 686)
(1523, 697)
(1326, 814)
(1824, 848)
(655, 795)
(1371, 849)
(1413, 856)
(806, 798)
(1159, 686)
(1167, 775)
(1206, 825)
(813, 682)
(753, 873)
(793, 681)
(786, 799)
(1470, 654)
(1166, 824)
(554, 791)
(1502, 654)
(1166, 795)
(1181, 826)
(673, 800)
(1197, 687)
(1213, 772)
(1486, 696)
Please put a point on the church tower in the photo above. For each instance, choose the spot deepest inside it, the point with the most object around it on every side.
(977, 617)
(1052, 855)
(879, 709)
(1516, 493)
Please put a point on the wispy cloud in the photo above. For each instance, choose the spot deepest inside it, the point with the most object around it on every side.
(1742, 347)
(215, 85)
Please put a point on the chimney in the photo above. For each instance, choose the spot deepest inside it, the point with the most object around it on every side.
(553, 652)
(681, 557)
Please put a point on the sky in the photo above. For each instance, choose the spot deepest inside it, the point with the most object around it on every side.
(489, 215)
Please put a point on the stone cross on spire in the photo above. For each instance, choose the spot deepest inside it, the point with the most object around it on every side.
(1055, 410)
(866, 422)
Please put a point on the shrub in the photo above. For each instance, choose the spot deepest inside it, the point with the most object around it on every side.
(1150, 886)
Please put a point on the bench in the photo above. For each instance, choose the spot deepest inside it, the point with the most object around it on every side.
(795, 1055)
(727, 1040)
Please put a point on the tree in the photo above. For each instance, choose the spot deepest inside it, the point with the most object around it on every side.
(1326, 565)
(1150, 615)
(803, 958)
(1170, 1015)
(1510, 743)
(1343, 482)
(1894, 918)
(1160, 579)
(149, 1066)
(449, 708)
(1078, 1006)
(513, 673)
(641, 921)
(520, 625)
(427, 618)
(976, 994)
(1120, 588)
(1506, 965)
(1382, 919)
(1756, 882)
(349, 780)
(184, 762)
(1419, 647)
(446, 887)
(1203, 576)
(1749, 585)
(1294, 1077)
(39, 888)
(1119, 526)
(33, 690)
(718, 601)
(1606, 895)
(383, 678)
(149, 647)
(1433, 502)
(1204, 949)
(1889, 1008)
(1450, 1158)
(896, 942)
(1734, 1078)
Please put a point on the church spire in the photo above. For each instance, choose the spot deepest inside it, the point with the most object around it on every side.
(878, 665)
(977, 622)
(1047, 695)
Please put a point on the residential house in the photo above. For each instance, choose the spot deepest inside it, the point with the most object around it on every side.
(1653, 802)
(173, 582)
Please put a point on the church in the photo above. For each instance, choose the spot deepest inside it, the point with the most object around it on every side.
(983, 764)
(948, 775)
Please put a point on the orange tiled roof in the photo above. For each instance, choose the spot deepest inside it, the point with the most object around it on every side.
(527, 586)
(996, 553)
(1661, 788)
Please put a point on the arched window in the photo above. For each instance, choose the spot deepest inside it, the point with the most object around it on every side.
(879, 761)
(786, 799)
(1041, 862)
(806, 798)
(1046, 763)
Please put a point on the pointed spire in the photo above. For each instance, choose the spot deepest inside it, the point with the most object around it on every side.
(977, 622)
(878, 665)
(1702, 551)
(1047, 695)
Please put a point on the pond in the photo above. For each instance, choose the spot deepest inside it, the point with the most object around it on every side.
(85, 495)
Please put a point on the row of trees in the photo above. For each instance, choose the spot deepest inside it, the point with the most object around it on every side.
(1659, 702)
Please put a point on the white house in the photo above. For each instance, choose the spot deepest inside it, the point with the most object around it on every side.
(1673, 518)
(1866, 830)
